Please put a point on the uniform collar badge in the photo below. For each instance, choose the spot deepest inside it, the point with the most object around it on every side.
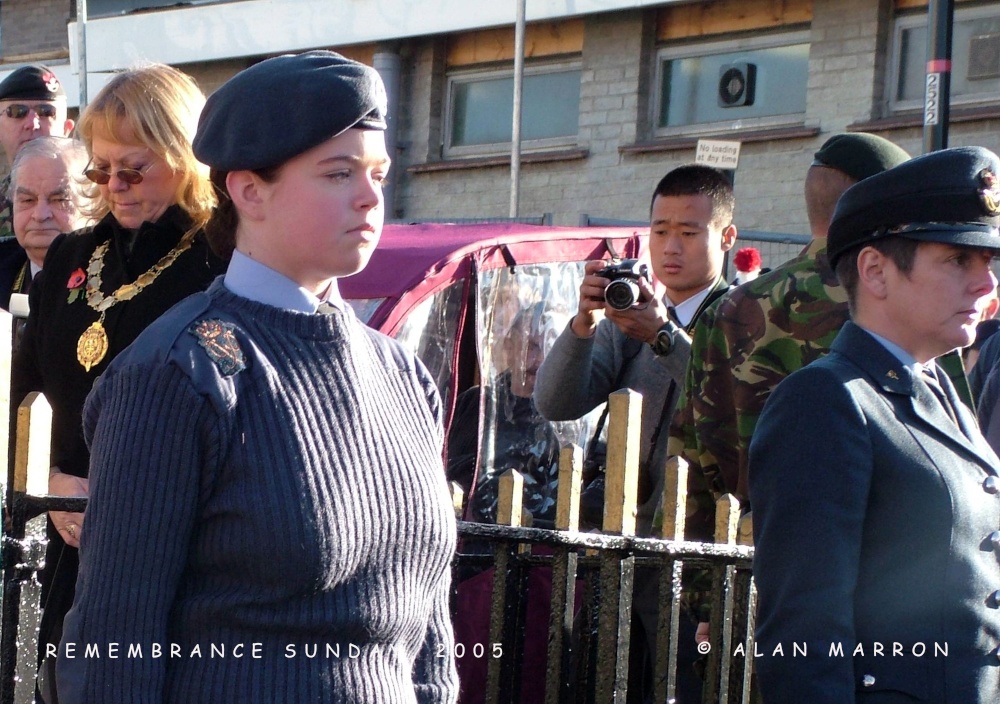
(989, 194)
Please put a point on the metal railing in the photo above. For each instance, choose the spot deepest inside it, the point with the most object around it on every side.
(598, 634)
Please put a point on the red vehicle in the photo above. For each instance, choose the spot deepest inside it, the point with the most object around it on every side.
(451, 292)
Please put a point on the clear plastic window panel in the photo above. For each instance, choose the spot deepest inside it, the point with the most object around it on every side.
(430, 331)
(521, 312)
(365, 308)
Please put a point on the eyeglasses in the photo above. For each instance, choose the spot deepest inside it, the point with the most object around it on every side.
(129, 176)
(19, 111)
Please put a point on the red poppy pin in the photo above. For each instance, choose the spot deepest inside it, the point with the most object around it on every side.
(75, 285)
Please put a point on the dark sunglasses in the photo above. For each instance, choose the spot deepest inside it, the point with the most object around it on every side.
(19, 111)
(129, 176)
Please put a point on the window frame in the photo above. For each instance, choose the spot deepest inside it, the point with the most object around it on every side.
(122, 11)
(902, 23)
(459, 76)
(711, 48)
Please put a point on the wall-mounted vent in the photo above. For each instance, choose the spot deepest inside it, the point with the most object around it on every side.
(736, 85)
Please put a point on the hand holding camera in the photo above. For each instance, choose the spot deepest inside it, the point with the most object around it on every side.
(624, 292)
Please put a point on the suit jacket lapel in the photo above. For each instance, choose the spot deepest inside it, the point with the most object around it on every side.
(894, 378)
(718, 290)
(966, 420)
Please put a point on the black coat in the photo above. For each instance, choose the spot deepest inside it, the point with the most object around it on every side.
(46, 360)
(13, 260)
(875, 522)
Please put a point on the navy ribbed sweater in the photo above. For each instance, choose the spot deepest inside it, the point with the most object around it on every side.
(298, 504)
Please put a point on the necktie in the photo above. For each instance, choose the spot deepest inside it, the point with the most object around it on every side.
(930, 378)
(672, 312)
(325, 308)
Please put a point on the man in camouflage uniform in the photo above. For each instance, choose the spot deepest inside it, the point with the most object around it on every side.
(766, 329)
(32, 104)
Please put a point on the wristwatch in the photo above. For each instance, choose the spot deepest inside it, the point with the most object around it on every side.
(663, 343)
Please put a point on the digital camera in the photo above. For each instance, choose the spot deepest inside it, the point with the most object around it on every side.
(622, 291)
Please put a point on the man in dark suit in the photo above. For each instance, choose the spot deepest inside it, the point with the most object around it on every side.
(47, 196)
(32, 105)
(876, 504)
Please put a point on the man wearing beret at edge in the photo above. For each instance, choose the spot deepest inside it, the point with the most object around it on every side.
(878, 559)
(32, 104)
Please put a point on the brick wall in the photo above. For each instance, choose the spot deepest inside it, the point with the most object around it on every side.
(33, 28)
(849, 41)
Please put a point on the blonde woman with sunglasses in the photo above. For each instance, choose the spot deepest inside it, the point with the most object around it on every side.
(102, 286)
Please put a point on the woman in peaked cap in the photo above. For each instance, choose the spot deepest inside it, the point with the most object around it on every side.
(267, 478)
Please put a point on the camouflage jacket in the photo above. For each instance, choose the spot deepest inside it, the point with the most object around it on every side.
(743, 346)
(6, 214)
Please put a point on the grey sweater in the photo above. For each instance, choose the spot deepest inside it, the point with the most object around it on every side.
(268, 507)
(578, 374)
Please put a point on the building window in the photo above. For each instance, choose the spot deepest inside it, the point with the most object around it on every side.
(761, 80)
(975, 59)
(481, 109)
(110, 8)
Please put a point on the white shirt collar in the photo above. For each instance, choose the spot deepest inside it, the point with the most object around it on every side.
(685, 311)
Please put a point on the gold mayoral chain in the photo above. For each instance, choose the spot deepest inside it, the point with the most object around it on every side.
(93, 343)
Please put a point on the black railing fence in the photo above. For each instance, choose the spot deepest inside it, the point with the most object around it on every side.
(588, 638)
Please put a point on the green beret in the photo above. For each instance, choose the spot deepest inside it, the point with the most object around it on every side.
(950, 196)
(34, 82)
(277, 109)
(859, 154)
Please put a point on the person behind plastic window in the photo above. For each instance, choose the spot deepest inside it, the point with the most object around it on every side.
(876, 498)
(267, 469)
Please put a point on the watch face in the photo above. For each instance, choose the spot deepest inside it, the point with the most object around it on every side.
(664, 342)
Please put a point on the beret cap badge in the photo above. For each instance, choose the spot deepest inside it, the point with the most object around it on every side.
(51, 82)
(989, 194)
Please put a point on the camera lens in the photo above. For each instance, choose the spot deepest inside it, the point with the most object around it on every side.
(621, 294)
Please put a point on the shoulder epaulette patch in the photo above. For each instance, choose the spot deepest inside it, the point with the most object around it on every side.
(218, 340)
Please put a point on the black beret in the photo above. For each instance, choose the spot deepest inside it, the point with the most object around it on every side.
(34, 82)
(950, 196)
(859, 154)
(277, 109)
